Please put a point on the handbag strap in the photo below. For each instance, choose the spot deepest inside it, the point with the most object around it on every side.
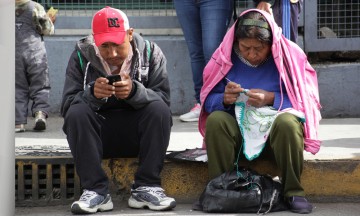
(239, 175)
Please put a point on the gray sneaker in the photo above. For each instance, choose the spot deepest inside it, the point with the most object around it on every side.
(91, 202)
(19, 128)
(152, 198)
(40, 121)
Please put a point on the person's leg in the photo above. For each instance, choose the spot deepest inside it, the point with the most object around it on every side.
(39, 86)
(295, 13)
(38, 76)
(146, 133)
(295, 9)
(21, 88)
(82, 127)
(204, 24)
(155, 127)
(143, 133)
(223, 141)
(118, 133)
(215, 17)
(277, 12)
(287, 141)
(188, 13)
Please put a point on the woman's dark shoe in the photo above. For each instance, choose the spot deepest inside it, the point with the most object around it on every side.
(299, 205)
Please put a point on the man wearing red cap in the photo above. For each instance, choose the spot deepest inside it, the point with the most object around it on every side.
(130, 117)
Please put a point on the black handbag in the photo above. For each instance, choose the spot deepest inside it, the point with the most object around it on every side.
(242, 191)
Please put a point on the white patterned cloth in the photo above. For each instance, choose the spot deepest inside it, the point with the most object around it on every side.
(255, 125)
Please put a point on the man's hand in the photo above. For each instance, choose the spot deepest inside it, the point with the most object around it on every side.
(102, 89)
(232, 92)
(265, 7)
(123, 87)
(260, 98)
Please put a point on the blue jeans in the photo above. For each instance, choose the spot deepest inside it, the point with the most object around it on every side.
(204, 24)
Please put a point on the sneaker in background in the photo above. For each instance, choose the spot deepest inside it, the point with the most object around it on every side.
(19, 128)
(152, 198)
(91, 202)
(193, 115)
(40, 121)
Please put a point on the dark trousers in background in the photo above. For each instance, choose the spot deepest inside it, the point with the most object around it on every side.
(295, 9)
(118, 133)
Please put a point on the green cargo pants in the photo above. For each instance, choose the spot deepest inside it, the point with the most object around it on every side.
(285, 144)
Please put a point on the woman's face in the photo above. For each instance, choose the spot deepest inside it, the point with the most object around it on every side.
(253, 50)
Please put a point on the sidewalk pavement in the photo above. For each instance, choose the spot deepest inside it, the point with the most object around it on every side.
(320, 209)
(340, 138)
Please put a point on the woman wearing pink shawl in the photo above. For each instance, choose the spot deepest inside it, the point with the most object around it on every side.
(260, 99)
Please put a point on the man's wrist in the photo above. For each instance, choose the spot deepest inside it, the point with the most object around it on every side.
(133, 90)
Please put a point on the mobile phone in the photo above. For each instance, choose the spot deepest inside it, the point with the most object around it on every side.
(113, 78)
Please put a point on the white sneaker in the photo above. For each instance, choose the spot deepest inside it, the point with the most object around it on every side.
(152, 198)
(193, 115)
(91, 202)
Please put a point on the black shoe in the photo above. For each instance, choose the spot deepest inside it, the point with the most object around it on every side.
(197, 206)
(299, 205)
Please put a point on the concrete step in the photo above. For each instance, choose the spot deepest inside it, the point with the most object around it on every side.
(46, 175)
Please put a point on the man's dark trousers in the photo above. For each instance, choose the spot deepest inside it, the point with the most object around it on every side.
(118, 133)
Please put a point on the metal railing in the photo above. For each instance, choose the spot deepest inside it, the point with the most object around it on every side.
(130, 7)
(341, 17)
(332, 25)
(146, 16)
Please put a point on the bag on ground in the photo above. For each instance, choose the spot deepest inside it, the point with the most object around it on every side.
(242, 191)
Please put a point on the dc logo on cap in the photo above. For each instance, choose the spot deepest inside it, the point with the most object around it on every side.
(113, 22)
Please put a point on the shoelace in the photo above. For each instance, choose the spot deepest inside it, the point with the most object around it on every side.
(86, 195)
(156, 190)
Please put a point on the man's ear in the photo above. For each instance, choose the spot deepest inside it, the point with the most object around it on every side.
(130, 32)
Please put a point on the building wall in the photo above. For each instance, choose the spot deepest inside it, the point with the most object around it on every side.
(338, 83)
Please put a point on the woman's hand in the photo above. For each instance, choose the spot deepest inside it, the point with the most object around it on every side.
(260, 98)
(232, 92)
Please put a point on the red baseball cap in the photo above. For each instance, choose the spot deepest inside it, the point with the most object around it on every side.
(109, 25)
